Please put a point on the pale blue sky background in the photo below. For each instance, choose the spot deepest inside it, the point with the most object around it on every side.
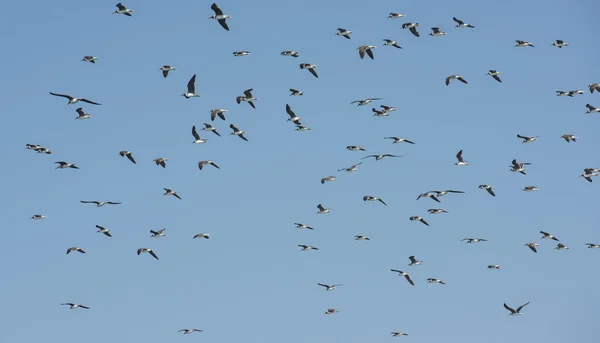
(250, 281)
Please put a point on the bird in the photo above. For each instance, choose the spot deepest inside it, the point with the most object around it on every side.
(237, 132)
(290, 53)
(521, 43)
(361, 238)
(166, 69)
(417, 218)
(103, 230)
(73, 100)
(591, 109)
(532, 246)
(302, 128)
(528, 139)
(328, 287)
(208, 127)
(588, 173)
(366, 48)
(148, 250)
(247, 97)
(201, 164)
(461, 162)
(63, 165)
(594, 87)
(436, 32)
(322, 210)
(127, 154)
(82, 115)
(121, 9)
(241, 53)
(518, 311)
(493, 266)
(293, 117)
(295, 92)
(412, 27)
(436, 210)
(429, 195)
(219, 16)
(100, 203)
(91, 59)
(414, 261)
(343, 33)
(473, 240)
(397, 334)
(351, 168)
(171, 192)
(444, 192)
(494, 73)
(488, 189)
(569, 137)
(355, 148)
(379, 157)
(530, 188)
(158, 233)
(188, 331)
(561, 246)
(388, 109)
(38, 217)
(389, 42)
(161, 161)
(461, 24)
(393, 15)
(78, 249)
(380, 113)
(593, 245)
(434, 280)
(564, 93)
(197, 139)
(546, 235)
(364, 101)
(302, 226)
(403, 274)
(371, 198)
(518, 167)
(328, 179)
(202, 235)
(310, 68)
(457, 77)
(307, 247)
(73, 306)
(191, 89)
(331, 311)
(559, 43)
(217, 112)
(399, 140)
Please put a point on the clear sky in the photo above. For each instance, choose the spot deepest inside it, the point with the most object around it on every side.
(250, 281)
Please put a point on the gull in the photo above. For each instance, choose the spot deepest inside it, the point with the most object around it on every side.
(166, 69)
(434, 280)
(461, 162)
(371, 198)
(436, 210)
(247, 97)
(569, 137)
(197, 139)
(462, 24)
(351, 168)
(379, 157)
(307, 247)
(148, 250)
(202, 235)
(82, 115)
(328, 287)
(38, 217)
(103, 230)
(73, 306)
(399, 140)
(290, 53)
(473, 240)
(208, 127)
(412, 27)
(310, 68)
(588, 173)
(293, 117)
(518, 311)
(527, 139)
(73, 100)
(127, 154)
(161, 161)
(521, 43)
(457, 77)
(295, 92)
(488, 189)
(354, 148)
(121, 9)
(237, 132)
(201, 164)
(404, 274)
(415, 218)
(397, 334)
(561, 246)
(188, 331)
(331, 311)
(393, 15)
(78, 249)
(217, 112)
(388, 108)
(191, 89)
(343, 33)
(241, 53)
(34, 147)
(327, 179)
(42, 150)
(530, 188)
(361, 238)
(219, 16)
(171, 192)
(444, 192)
(591, 109)
(91, 59)
(546, 235)
(365, 101)
(366, 48)
(379, 113)
(493, 266)
(428, 195)
(594, 87)
(593, 245)
(158, 233)
(322, 210)
(302, 128)
(564, 93)
(391, 43)
(436, 32)
(518, 167)
(100, 203)
(414, 261)
(532, 246)
(494, 73)
(302, 226)
(559, 43)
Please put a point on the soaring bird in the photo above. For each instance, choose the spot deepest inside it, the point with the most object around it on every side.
(166, 69)
(532, 246)
(82, 115)
(343, 33)
(148, 250)
(403, 274)
(462, 24)
(379, 157)
(161, 161)
(219, 16)
(371, 198)
(121, 9)
(103, 230)
(518, 311)
(455, 77)
(420, 219)
(201, 164)
(188, 331)
(73, 100)
(527, 139)
(247, 97)
(307, 247)
(201, 235)
(366, 49)
(494, 73)
(461, 162)
(73, 306)
(171, 192)
(310, 68)
(191, 89)
(237, 132)
(208, 127)
(158, 233)
(328, 287)
(399, 140)
(127, 154)
(100, 203)
(78, 249)
(293, 117)
(63, 165)
(546, 235)
(389, 42)
(412, 27)
(488, 188)
(197, 139)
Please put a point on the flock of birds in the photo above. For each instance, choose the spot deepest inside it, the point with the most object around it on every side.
(383, 110)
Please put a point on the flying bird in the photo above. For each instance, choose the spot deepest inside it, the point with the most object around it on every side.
(171, 192)
(237, 132)
(328, 179)
(302, 226)
(473, 240)
(247, 97)
(389, 42)
(73, 306)
(361, 238)
(307, 247)
(352, 168)
(322, 210)
(366, 49)
(379, 157)
(444, 192)
(434, 280)
(78, 249)
(189, 331)
(436, 32)
(158, 233)
(217, 112)
(148, 250)
(518, 167)
(73, 100)
(310, 68)
(398, 334)
(355, 148)
(328, 287)
(82, 115)
(393, 15)
(399, 140)
(488, 189)
(161, 161)
(219, 16)
(455, 77)
(201, 164)
(103, 230)
(417, 218)
(569, 137)
(100, 203)
(429, 195)
(493, 266)
(166, 69)
(121, 9)
(343, 33)
(461, 162)
(401, 273)
(38, 217)
(530, 188)
(191, 89)
(532, 246)
(201, 235)
(290, 53)
(593, 245)
(197, 139)
(293, 117)
(364, 101)
(412, 27)
(494, 73)
(594, 87)
(559, 43)
(127, 154)
(371, 198)
(436, 211)
(414, 261)
(241, 53)
(518, 311)
(91, 59)
(527, 139)
(64, 165)
(295, 92)
(546, 235)
(462, 24)
(591, 109)
(522, 43)
(561, 246)
(331, 311)
(208, 127)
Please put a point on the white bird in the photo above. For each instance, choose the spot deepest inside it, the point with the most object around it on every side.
(516, 312)
(158, 233)
(527, 139)
(343, 33)
(546, 235)
(361, 238)
(328, 179)
(295, 92)
(355, 148)
(455, 77)
(166, 69)
(201, 164)
(63, 165)
(488, 189)
(434, 280)
(399, 140)
(393, 15)
(372, 198)
(127, 154)
(217, 112)
(559, 43)
(412, 27)
(593, 245)
(171, 192)
(352, 168)
(121, 9)
(461, 24)
(389, 42)
(379, 157)
(414, 261)
(494, 73)
(436, 210)
(302, 128)
(591, 109)
(241, 53)
(310, 68)
(148, 250)
(473, 240)
(302, 226)
(461, 162)
(91, 59)
(307, 247)
(436, 32)
(406, 276)
(219, 16)
(208, 127)
(293, 117)
(38, 217)
(73, 306)
(197, 139)
(521, 43)
(429, 195)
(100, 203)
(328, 287)
(322, 210)
(237, 132)
(73, 100)
(398, 334)
(191, 89)
(420, 219)
(247, 97)
(103, 230)
(331, 311)
(82, 115)
(290, 53)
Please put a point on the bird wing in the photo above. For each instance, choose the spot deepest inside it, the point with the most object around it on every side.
(191, 84)
(130, 157)
(87, 308)
(214, 165)
(120, 7)
(508, 308)
(223, 24)
(459, 22)
(412, 259)
(88, 101)
(153, 254)
(361, 52)
(89, 202)
(448, 80)
(248, 93)
(461, 79)
(491, 191)
(423, 221)
(312, 71)
(233, 127)
(408, 279)
(459, 156)
(113, 203)
(242, 137)
(289, 111)
(80, 111)
(497, 78)
(216, 8)
(532, 247)
(370, 53)
(165, 73)
(514, 163)
(195, 133)
(320, 207)
(177, 196)
(320, 284)
(435, 198)
(251, 104)
(414, 31)
(62, 95)
(383, 202)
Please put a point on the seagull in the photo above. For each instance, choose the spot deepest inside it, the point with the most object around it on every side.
(457, 77)
(399, 140)
(127, 154)
(121, 9)
(302, 226)
(295, 92)
(310, 68)
(473, 240)
(302, 128)
(412, 27)
(161, 161)
(366, 48)
(63, 165)
(327, 178)
(82, 115)
(293, 117)
(428, 195)
(75, 249)
(197, 139)
(351, 168)
(201, 164)
(74, 306)
(307, 247)
(517, 312)
(379, 157)
(343, 33)
(170, 192)
(237, 132)
(546, 235)
(396, 334)
(354, 148)
(569, 137)
(371, 198)
(494, 73)
(365, 101)
(158, 233)
(202, 235)
(388, 109)
(34, 147)
(391, 43)
(436, 32)
(322, 210)
(208, 127)
(73, 100)
(404, 274)
(331, 311)
(241, 53)
(493, 266)
(379, 113)
(436, 210)
(561, 246)
(593, 245)
(530, 188)
(188, 331)
(361, 238)
(564, 93)
(166, 69)
(591, 109)
(444, 192)
(328, 287)
(434, 280)
(100, 203)
(148, 250)
(217, 112)
(42, 150)
(191, 88)
(518, 167)
(460, 162)
(290, 53)
(527, 139)
(414, 261)
(415, 218)
(91, 59)
(38, 217)
(588, 173)
(393, 15)
(488, 189)
(521, 43)
(247, 97)
(594, 87)
(559, 43)
(462, 24)
(103, 230)
(219, 16)
(532, 246)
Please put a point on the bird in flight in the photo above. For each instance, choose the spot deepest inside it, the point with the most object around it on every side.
(328, 287)
(166, 69)
(127, 154)
(64, 165)
(148, 250)
(237, 132)
(516, 312)
(78, 249)
(73, 306)
(201, 164)
(403, 274)
(247, 97)
(310, 68)
(121, 9)
(188, 331)
(100, 203)
(343, 33)
(191, 89)
(366, 49)
(103, 230)
(494, 73)
(412, 27)
(462, 24)
(73, 100)
(379, 157)
(171, 192)
(197, 139)
(219, 16)
(371, 198)
(417, 218)
(455, 77)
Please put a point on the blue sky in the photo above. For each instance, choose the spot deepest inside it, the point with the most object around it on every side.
(250, 281)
